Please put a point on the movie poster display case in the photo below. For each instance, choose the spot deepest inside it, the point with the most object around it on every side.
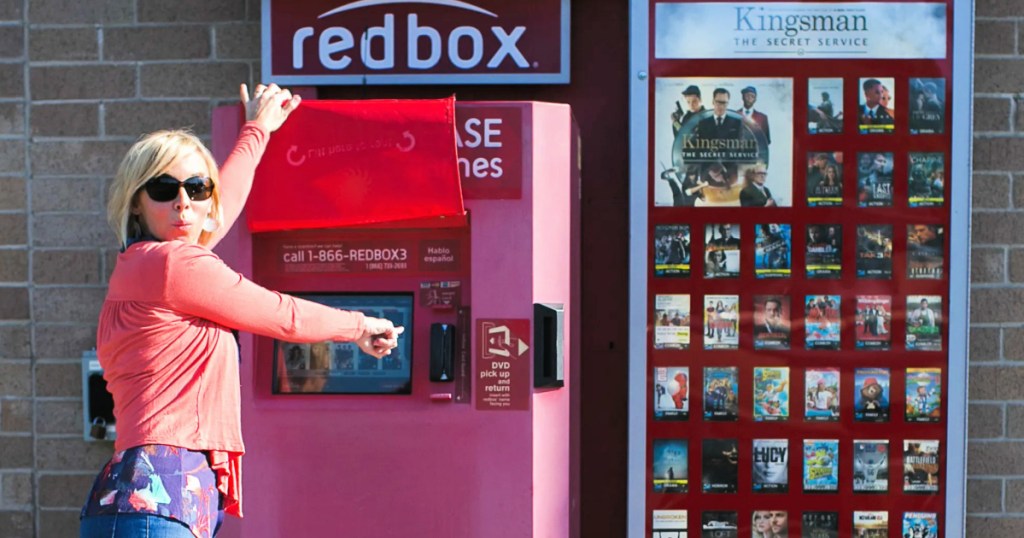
(800, 190)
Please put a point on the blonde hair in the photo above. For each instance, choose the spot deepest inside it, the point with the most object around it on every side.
(152, 155)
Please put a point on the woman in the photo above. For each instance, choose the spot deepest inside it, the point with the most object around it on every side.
(762, 524)
(829, 184)
(164, 336)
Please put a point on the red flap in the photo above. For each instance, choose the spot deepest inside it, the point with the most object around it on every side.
(381, 163)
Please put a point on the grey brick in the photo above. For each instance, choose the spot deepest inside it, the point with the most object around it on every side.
(82, 11)
(79, 305)
(211, 79)
(59, 380)
(65, 120)
(12, 42)
(992, 113)
(63, 44)
(15, 342)
(68, 194)
(72, 231)
(191, 11)
(80, 158)
(156, 43)
(12, 80)
(135, 118)
(985, 421)
(82, 82)
(12, 118)
(987, 264)
(16, 416)
(61, 341)
(13, 194)
(13, 303)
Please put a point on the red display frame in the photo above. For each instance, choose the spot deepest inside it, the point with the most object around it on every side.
(848, 358)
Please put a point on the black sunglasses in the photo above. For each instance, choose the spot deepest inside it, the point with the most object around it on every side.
(164, 188)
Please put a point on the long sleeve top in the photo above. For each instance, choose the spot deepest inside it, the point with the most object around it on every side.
(164, 338)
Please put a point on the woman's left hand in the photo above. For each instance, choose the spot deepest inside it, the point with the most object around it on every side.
(269, 105)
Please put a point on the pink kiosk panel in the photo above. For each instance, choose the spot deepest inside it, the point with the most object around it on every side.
(450, 459)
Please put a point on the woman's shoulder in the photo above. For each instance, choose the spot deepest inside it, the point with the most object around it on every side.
(167, 254)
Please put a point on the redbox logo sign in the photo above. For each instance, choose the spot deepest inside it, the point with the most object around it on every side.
(416, 42)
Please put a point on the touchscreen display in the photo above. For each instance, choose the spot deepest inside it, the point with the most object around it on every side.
(340, 367)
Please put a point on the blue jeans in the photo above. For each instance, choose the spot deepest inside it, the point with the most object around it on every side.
(133, 526)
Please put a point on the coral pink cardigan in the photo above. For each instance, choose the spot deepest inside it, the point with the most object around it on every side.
(165, 343)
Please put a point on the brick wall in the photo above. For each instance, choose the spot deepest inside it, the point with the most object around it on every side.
(995, 466)
(79, 81)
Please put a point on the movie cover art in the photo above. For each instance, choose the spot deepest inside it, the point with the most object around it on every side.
(924, 395)
(820, 525)
(772, 250)
(722, 251)
(771, 466)
(771, 393)
(824, 249)
(671, 466)
(871, 524)
(825, 105)
(871, 466)
(927, 106)
(921, 466)
(877, 105)
(925, 248)
(874, 322)
(822, 398)
(721, 321)
(669, 523)
(874, 251)
(821, 465)
(920, 525)
(821, 322)
(771, 321)
(871, 403)
(723, 142)
(671, 393)
(719, 525)
(672, 250)
(719, 465)
(824, 179)
(769, 523)
(874, 179)
(926, 180)
(924, 320)
(672, 321)
(721, 393)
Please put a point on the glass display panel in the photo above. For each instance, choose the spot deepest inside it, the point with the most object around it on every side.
(340, 367)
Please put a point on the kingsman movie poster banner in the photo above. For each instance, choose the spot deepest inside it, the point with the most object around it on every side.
(723, 142)
(795, 30)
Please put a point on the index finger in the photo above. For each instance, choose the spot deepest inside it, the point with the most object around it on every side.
(243, 91)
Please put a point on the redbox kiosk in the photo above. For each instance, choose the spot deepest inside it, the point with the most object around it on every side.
(470, 428)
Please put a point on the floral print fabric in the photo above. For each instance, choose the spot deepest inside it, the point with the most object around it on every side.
(162, 480)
